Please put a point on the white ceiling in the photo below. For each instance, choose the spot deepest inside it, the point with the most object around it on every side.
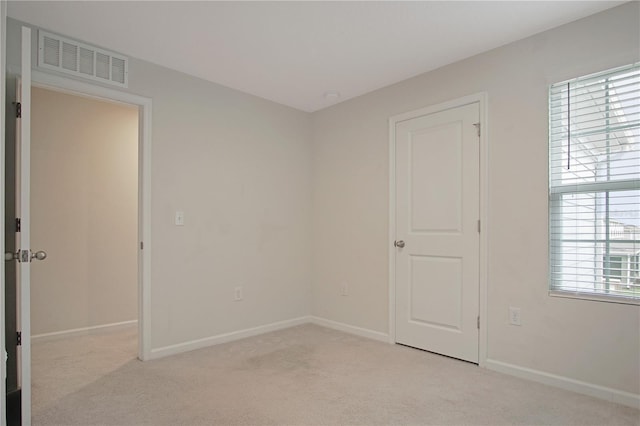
(295, 52)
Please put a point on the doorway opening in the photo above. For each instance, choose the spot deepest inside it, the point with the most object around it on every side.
(84, 214)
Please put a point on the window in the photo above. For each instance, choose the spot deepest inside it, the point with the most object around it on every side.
(594, 186)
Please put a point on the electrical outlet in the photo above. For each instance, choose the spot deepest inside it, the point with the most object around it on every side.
(344, 289)
(237, 294)
(514, 316)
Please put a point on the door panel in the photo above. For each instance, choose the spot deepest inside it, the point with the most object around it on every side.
(437, 211)
(10, 267)
(436, 208)
(431, 303)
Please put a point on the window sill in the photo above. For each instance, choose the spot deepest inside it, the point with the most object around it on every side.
(595, 297)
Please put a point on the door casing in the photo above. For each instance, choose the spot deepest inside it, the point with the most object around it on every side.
(74, 87)
(482, 100)
(3, 365)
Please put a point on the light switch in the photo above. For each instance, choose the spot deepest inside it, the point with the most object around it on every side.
(179, 218)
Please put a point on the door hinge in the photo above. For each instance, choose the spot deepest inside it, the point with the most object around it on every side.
(479, 226)
(478, 322)
(141, 245)
(19, 338)
(477, 128)
(18, 110)
(18, 224)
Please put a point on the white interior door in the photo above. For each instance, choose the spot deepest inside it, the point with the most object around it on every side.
(23, 149)
(437, 232)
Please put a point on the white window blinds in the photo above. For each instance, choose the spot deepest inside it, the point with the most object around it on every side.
(594, 185)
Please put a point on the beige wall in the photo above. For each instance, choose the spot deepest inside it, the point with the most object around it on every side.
(588, 341)
(84, 164)
(239, 168)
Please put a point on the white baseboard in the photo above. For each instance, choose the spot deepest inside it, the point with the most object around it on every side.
(351, 329)
(224, 338)
(241, 334)
(608, 394)
(96, 329)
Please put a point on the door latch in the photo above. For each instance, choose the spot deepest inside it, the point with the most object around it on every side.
(25, 256)
(19, 255)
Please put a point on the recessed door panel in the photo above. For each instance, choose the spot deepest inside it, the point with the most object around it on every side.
(436, 202)
(435, 295)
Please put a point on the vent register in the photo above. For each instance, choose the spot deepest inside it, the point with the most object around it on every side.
(68, 56)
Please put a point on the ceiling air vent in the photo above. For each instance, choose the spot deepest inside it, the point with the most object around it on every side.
(68, 56)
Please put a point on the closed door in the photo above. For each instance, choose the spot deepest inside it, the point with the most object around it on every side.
(437, 232)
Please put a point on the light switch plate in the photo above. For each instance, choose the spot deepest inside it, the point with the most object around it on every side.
(179, 218)
(515, 316)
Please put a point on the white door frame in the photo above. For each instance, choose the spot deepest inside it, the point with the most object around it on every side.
(3, 363)
(482, 99)
(74, 87)
(23, 239)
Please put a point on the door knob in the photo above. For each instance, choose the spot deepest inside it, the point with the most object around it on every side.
(39, 255)
(399, 244)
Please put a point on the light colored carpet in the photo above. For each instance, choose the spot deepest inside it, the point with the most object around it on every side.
(305, 375)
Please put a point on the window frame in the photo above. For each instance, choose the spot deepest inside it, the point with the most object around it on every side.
(554, 210)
